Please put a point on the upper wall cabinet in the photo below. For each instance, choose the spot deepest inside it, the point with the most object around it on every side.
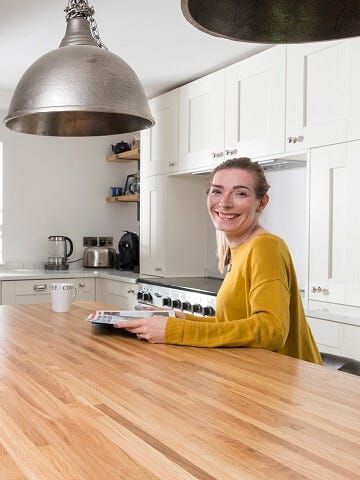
(334, 258)
(323, 97)
(201, 122)
(255, 105)
(159, 145)
(238, 111)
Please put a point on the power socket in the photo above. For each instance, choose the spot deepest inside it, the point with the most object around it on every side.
(90, 241)
(106, 241)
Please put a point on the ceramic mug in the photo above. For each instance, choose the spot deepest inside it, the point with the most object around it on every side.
(62, 296)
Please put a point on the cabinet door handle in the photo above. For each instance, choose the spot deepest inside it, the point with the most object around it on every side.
(315, 289)
(82, 285)
(231, 152)
(40, 288)
(217, 154)
(131, 291)
(157, 269)
(295, 139)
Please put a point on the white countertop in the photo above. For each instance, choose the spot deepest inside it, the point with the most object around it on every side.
(80, 272)
(333, 312)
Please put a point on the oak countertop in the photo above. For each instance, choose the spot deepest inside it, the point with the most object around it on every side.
(79, 402)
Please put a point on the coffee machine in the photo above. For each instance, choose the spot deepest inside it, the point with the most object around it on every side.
(60, 249)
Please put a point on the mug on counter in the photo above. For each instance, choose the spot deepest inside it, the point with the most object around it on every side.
(116, 191)
(62, 296)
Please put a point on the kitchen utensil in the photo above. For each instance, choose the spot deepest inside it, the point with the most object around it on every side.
(60, 249)
(99, 257)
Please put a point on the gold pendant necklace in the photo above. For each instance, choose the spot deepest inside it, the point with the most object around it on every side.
(237, 247)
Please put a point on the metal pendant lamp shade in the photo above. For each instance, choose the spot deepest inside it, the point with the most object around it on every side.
(79, 90)
(275, 21)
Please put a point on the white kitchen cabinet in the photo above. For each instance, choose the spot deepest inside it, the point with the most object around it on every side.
(173, 225)
(115, 293)
(159, 144)
(323, 99)
(201, 122)
(38, 291)
(334, 224)
(255, 105)
(337, 338)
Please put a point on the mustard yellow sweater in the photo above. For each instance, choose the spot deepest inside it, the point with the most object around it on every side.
(258, 305)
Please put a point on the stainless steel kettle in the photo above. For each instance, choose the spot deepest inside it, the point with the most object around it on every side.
(60, 249)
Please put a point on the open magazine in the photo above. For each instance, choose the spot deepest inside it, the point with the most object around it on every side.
(111, 317)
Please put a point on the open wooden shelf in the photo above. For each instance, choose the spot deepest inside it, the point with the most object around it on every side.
(133, 154)
(124, 198)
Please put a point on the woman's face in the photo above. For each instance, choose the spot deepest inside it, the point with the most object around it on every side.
(232, 203)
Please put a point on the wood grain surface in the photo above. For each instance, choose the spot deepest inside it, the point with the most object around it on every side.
(80, 402)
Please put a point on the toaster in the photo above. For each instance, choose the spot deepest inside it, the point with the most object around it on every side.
(99, 257)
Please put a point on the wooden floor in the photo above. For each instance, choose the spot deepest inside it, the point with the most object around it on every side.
(78, 402)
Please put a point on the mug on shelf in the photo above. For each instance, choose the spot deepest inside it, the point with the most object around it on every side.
(116, 191)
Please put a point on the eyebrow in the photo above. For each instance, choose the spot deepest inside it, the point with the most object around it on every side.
(233, 188)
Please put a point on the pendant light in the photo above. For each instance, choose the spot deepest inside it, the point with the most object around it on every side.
(79, 89)
(275, 21)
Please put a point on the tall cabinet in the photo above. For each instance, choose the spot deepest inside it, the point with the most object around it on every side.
(334, 228)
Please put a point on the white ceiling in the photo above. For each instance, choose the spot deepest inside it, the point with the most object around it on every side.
(153, 37)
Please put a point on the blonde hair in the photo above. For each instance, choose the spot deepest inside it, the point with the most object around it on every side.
(261, 189)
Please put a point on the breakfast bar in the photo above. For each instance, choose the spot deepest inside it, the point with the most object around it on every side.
(82, 402)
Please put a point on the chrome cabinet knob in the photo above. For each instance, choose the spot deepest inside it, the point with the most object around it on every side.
(157, 269)
(171, 164)
(316, 289)
(131, 291)
(295, 139)
(40, 288)
(231, 152)
(82, 285)
(217, 154)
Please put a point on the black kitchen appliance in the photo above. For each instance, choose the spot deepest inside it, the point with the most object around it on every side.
(129, 252)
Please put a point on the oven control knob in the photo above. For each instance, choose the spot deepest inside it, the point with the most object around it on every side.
(176, 304)
(209, 311)
(166, 302)
(147, 297)
(186, 306)
(197, 308)
(140, 295)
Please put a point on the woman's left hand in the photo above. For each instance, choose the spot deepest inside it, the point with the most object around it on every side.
(151, 329)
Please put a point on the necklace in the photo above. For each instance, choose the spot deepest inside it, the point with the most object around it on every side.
(239, 245)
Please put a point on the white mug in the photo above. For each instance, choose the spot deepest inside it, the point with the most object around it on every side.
(62, 296)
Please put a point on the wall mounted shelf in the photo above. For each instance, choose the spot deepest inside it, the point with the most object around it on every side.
(133, 154)
(124, 198)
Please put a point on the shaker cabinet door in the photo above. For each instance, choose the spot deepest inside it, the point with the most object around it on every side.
(334, 224)
(160, 144)
(153, 228)
(201, 123)
(318, 94)
(255, 105)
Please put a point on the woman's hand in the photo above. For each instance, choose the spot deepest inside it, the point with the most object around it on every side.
(151, 329)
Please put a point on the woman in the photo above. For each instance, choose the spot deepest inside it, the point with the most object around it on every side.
(258, 304)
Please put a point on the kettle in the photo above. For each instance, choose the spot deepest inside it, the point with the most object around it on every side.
(60, 249)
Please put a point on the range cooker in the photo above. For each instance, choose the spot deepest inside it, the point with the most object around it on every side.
(195, 295)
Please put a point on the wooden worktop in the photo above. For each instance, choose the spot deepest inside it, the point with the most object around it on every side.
(79, 402)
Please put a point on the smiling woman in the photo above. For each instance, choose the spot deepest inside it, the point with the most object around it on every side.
(258, 304)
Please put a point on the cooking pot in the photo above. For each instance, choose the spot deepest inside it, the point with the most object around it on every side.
(99, 257)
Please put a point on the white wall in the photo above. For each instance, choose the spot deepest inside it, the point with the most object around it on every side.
(285, 215)
(58, 186)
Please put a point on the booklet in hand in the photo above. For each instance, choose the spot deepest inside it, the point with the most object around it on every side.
(111, 317)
